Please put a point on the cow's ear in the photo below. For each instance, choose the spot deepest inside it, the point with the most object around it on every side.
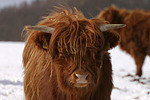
(41, 34)
(42, 41)
(112, 38)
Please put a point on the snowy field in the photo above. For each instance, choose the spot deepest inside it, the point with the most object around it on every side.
(11, 74)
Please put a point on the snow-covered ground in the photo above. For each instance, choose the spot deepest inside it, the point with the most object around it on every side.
(126, 88)
(11, 71)
(11, 74)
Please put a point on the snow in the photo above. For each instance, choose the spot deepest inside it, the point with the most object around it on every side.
(11, 74)
(11, 71)
(127, 89)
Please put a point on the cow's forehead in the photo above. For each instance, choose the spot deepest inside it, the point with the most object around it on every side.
(75, 34)
(79, 39)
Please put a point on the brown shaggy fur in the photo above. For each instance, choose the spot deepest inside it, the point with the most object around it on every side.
(77, 43)
(135, 38)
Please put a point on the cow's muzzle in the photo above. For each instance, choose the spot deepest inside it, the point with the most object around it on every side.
(81, 79)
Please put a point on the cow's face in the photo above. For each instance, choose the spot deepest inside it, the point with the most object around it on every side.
(78, 55)
(76, 51)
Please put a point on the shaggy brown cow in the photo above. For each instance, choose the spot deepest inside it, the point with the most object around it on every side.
(135, 38)
(72, 63)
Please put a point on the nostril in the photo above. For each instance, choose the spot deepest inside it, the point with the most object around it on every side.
(76, 76)
(87, 77)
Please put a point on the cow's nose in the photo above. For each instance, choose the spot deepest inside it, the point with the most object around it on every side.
(81, 78)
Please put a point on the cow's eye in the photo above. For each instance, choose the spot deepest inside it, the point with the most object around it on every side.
(61, 55)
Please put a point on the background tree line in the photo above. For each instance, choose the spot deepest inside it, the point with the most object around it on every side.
(13, 19)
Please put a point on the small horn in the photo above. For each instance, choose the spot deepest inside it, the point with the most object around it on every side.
(106, 27)
(40, 28)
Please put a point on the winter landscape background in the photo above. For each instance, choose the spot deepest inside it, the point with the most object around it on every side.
(11, 71)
